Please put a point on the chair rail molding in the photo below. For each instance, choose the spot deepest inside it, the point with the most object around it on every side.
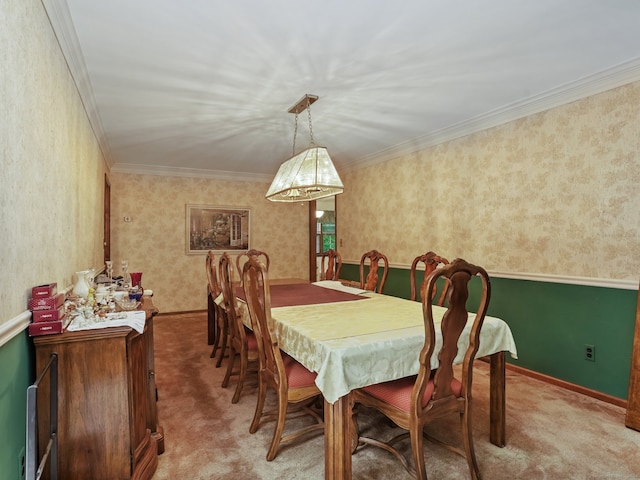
(14, 327)
(542, 277)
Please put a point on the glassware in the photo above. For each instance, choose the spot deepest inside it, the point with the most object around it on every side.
(91, 276)
(126, 279)
(136, 278)
(109, 269)
(136, 290)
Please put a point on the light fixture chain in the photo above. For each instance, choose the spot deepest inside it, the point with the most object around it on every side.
(295, 132)
(312, 142)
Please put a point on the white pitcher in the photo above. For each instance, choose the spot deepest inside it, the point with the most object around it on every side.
(81, 288)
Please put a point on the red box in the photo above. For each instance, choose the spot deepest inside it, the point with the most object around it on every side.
(42, 291)
(48, 315)
(45, 328)
(47, 303)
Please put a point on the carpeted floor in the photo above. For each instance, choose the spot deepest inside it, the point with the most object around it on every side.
(552, 433)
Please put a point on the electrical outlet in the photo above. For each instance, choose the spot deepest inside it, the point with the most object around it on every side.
(590, 353)
(22, 466)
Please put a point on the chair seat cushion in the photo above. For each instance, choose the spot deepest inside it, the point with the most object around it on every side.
(252, 341)
(398, 392)
(297, 375)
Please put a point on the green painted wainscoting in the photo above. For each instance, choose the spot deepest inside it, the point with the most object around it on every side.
(16, 374)
(552, 323)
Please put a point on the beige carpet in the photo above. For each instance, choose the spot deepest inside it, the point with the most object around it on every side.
(552, 433)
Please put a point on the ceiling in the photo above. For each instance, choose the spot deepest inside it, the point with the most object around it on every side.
(202, 87)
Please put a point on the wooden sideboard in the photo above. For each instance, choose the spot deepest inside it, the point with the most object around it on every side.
(632, 419)
(107, 414)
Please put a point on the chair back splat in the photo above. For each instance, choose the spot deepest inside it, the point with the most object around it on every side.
(294, 385)
(431, 261)
(330, 265)
(413, 402)
(370, 280)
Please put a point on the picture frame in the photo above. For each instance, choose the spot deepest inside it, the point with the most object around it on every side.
(217, 228)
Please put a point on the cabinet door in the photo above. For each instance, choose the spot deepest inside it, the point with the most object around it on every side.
(138, 388)
(93, 418)
(157, 433)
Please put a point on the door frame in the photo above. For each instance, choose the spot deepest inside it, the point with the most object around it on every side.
(106, 242)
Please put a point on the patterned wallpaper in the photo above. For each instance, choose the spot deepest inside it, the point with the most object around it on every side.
(555, 193)
(154, 242)
(52, 176)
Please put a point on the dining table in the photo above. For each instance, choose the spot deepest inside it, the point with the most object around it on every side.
(353, 338)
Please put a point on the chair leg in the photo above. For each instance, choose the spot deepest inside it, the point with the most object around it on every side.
(224, 338)
(277, 433)
(262, 395)
(232, 360)
(417, 449)
(219, 332)
(241, 376)
(355, 428)
(467, 439)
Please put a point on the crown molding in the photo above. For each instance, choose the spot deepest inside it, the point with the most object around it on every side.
(191, 172)
(617, 76)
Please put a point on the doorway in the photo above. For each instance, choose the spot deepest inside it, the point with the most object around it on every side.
(322, 232)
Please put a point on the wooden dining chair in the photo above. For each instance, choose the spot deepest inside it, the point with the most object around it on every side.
(412, 402)
(242, 341)
(294, 385)
(243, 257)
(369, 263)
(431, 261)
(330, 265)
(216, 316)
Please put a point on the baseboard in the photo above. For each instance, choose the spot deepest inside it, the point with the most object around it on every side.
(185, 312)
(569, 386)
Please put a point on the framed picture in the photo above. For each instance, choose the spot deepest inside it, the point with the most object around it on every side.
(220, 229)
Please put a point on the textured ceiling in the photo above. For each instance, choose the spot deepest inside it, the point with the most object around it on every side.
(203, 86)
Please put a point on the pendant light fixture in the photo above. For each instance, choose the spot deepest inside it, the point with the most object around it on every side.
(310, 174)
